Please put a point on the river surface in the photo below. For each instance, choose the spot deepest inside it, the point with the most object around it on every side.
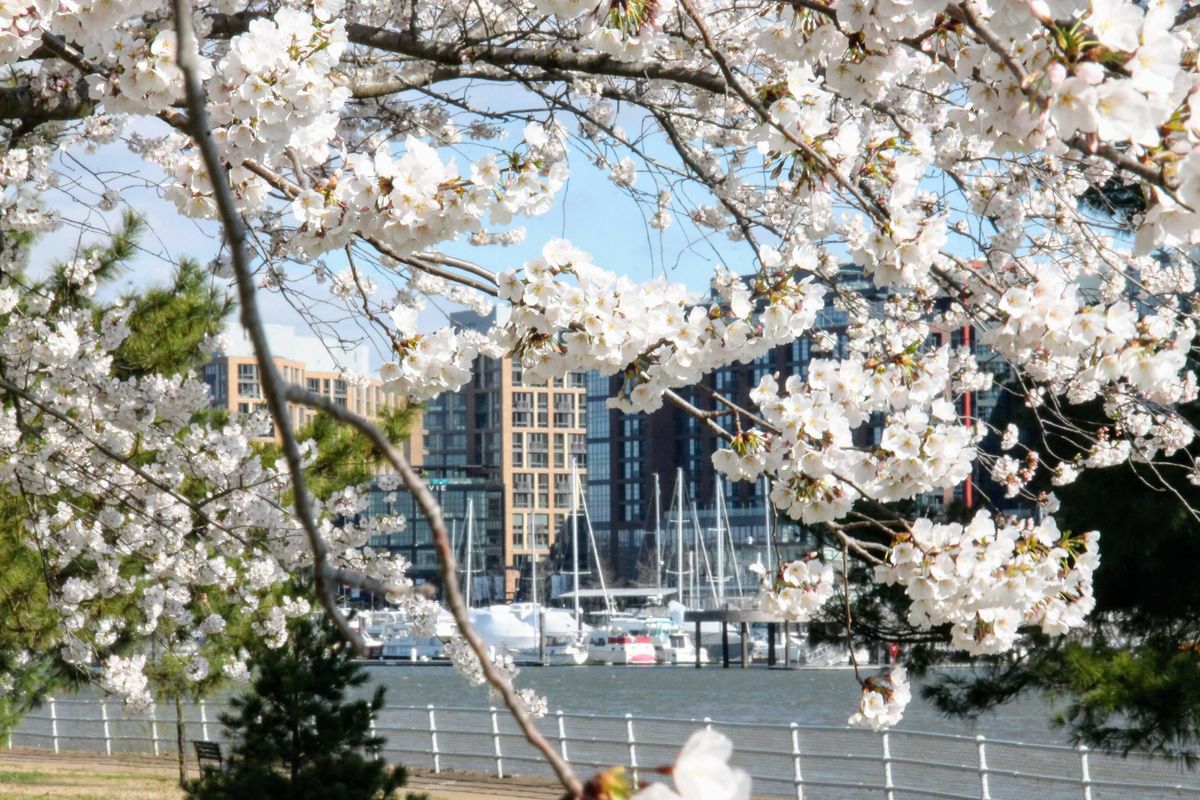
(805, 696)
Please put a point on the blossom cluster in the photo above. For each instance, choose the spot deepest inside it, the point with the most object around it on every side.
(797, 591)
(883, 700)
(986, 579)
(568, 314)
(818, 469)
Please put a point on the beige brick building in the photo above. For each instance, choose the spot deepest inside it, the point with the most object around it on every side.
(234, 381)
(522, 435)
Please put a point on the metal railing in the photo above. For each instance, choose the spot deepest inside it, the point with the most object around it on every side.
(807, 762)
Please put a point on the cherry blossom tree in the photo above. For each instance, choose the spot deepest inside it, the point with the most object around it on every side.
(940, 146)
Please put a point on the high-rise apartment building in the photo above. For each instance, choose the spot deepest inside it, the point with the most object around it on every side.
(525, 436)
(627, 451)
(342, 376)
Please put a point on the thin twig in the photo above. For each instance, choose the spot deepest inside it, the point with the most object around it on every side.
(849, 618)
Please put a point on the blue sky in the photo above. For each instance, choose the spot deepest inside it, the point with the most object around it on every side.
(590, 211)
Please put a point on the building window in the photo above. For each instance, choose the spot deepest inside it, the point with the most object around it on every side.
(516, 373)
(518, 530)
(339, 393)
(313, 385)
(543, 412)
(214, 376)
(522, 490)
(564, 410)
(243, 408)
(541, 530)
(248, 380)
(543, 490)
(522, 415)
(577, 380)
(762, 367)
(560, 451)
(539, 450)
(518, 449)
(578, 450)
(562, 490)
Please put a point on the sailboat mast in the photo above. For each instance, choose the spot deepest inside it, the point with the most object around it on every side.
(657, 536)
(720, 546)
(470, 547)
(679, 530)
(575, 541)
(767, 522)
(533, 563)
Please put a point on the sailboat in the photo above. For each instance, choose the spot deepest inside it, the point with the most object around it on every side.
(608, 644)
(530, 633)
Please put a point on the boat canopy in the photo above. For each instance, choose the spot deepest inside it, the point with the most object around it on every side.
(626, 592)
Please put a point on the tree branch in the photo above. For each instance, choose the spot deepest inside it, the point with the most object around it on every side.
(454, 54)
(272, 382)
(448, 571)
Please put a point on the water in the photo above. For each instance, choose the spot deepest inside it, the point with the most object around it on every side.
(808, 697)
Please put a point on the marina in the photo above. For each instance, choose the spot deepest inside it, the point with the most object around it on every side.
(694, 622)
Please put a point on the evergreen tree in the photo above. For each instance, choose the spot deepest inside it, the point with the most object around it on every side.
(1131, 679)
(297, 734)
(167, 327)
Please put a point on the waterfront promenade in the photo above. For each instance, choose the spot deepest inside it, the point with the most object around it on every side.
(805, 762)
(27, 773)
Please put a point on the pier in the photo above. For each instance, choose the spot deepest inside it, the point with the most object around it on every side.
(743, 618)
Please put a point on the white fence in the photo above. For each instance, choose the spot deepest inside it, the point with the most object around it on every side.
(800, 761)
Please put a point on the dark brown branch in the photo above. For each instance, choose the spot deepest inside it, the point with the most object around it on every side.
(22, 103)
(455, 54)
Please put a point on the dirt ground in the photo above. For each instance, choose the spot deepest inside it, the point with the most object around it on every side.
(39, 775)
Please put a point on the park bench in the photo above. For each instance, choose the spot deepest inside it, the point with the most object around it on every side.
(208, 756)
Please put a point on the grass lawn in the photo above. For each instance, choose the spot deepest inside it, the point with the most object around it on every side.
(38, 775)
(91, 780)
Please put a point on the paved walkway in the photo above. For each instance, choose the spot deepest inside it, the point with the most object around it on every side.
(26, 774)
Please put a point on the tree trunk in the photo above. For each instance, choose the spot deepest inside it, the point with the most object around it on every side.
(179, 739)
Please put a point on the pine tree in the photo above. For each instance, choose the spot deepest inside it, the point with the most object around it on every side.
(167, 327)
(1131, 679)
(297, 734)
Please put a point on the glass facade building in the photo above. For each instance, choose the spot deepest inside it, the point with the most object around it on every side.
(458, 494)
(627, 451)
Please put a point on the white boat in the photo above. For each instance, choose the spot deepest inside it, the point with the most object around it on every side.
(672, 644)
(620, 647)
(679, 649)
(561, 651)
(400, 641)
(513, 630)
